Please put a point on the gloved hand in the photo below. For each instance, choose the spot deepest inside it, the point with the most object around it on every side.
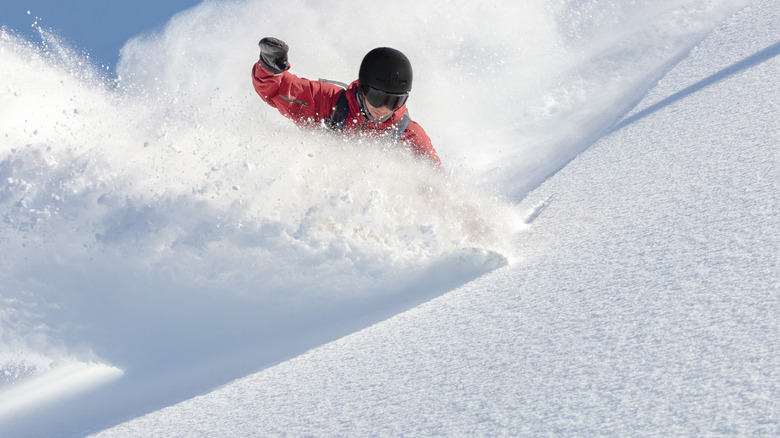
(273, 54)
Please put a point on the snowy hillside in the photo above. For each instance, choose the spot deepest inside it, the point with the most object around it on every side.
(167, 234)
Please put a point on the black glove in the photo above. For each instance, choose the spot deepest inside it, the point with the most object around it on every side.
(273, 54)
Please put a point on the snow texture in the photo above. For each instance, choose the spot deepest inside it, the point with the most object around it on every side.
(202, 268)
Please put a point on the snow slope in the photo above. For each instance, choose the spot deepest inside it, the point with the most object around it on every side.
(173, 230)
(645, 301)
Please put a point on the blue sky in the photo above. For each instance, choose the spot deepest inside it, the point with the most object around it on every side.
(97, 26)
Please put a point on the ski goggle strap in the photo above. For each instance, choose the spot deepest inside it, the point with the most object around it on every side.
(379, 98)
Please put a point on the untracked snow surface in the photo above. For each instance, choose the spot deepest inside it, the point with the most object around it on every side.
(176, 254)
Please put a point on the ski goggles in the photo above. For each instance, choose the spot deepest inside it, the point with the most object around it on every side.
(379, 98)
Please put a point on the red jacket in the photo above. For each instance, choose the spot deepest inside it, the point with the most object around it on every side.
(307, 103)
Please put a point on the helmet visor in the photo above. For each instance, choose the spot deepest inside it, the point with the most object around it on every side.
(379, 98)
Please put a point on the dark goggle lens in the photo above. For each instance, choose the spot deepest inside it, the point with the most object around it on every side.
(379, 98)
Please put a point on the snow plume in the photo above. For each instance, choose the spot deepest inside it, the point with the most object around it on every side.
(168, 214)
(131, 205)
(508, 91)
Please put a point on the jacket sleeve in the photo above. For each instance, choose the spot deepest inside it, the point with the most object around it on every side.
(421, 144)
(303, 101)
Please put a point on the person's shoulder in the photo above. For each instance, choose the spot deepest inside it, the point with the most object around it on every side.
(415, 128)
(326, 91)
(329, 86)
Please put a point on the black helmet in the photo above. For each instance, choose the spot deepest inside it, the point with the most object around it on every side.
(386, 69)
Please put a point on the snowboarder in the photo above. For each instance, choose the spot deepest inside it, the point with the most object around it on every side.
(374, 104)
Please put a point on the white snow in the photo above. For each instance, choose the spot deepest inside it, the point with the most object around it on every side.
(203, 268)
(57, 383)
